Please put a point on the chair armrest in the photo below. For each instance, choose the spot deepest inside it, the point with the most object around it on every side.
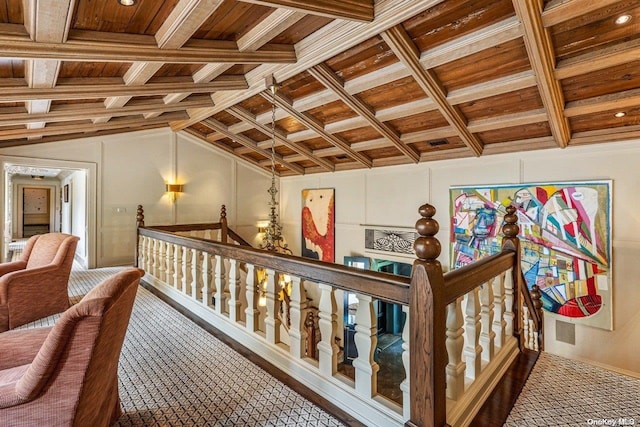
(19, 347)
(9, 397)
(27, 278)
(8, 267)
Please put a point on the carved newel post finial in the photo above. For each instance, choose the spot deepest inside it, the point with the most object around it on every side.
(223, 212)
(510, 229)
(427, 246)
(140, 216)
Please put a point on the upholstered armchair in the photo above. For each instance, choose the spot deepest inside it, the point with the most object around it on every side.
(67, 375)
(36, 285)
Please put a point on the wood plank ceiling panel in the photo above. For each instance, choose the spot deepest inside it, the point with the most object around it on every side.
(11, 12)
(596, 30)
(453, 19)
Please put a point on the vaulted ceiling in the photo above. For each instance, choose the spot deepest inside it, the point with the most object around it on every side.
(360, 85)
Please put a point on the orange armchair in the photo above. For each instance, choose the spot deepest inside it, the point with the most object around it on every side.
(36, 286)
(67, 375)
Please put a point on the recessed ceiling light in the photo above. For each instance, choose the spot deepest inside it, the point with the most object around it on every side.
(620, 114)
(623, 19)
(127, 2)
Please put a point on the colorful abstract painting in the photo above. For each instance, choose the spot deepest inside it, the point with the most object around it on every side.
(565, 235)
(318, 224)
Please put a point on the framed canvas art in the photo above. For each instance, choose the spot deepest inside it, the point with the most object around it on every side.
(565, 239)
(318, 224)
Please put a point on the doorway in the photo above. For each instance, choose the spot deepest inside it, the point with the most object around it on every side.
(64, 199)
(36, 210)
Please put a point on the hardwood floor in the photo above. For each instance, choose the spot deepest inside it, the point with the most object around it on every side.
(497, 407)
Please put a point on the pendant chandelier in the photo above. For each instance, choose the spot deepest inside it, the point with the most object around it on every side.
(272, 239)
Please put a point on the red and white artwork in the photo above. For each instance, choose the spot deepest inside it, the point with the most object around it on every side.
(318, 223)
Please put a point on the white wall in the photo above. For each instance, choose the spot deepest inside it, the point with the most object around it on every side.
(391, 196)
(133, 168)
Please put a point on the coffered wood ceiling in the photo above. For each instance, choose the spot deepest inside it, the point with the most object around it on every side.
(362, 84)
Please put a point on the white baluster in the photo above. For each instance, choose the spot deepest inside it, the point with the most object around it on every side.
(142, 252)
(454, 342)
(234, 290)
(535, 338)
(525, 326)
(509, 316)
(298, 313)
(169, 263)
(207, 280)
(251, 312)
(405, 385)
(499, 310)
(272, 322)
(487, 336)
(327, 347)
(196, 277)
(366, 340)
(532, 335)
(177, 266)
(149, 267)
(154, 256)
(186, 270)
(472, 348)
(149, 257)
(220, 279)
(161, 261)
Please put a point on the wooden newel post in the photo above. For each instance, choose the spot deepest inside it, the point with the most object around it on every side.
(536, 296)
(139, 223)
(224, 230)
(427, 317)
(510, 241)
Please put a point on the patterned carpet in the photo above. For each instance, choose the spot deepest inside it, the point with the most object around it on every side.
(173, 373)
(564, 392)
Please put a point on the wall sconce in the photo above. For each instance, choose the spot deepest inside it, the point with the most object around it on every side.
(174, 190)
(262, 226)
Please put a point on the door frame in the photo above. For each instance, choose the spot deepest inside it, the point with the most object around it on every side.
(93, 203)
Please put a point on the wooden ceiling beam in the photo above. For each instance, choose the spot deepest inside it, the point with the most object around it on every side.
(47, 21)
(72, 128)
(477, 41)
(599, 59)
(23, 93)
(403, 47)
(327, 77)
(268, 28)
(183, 21)
(229, 150)
(613, 101)
(249, 143)
(508, 120)
(312, 123)
(71, 136)
(559, 11)
(315, 49)
(542, 58)
(248, 117)
(89, 111)
(206, 52)
(354, 10)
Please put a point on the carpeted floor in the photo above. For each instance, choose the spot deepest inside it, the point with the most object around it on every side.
(173, 373)
(564, 392)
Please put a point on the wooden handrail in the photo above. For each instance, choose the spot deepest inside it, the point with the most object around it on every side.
(463, 280)
(379, 285)
(188, 227)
